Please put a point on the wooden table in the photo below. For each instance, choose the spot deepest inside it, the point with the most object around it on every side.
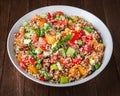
(12, 83)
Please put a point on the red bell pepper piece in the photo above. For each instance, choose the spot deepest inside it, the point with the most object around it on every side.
(23, 66)
(77, 60)
(41, 78)
(59, 13)
(75, 37)
(49, 15)
(32, 61)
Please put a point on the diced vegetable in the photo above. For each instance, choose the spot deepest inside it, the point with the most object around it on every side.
(53, 67)
(47, 53)
(27, 41)
(83, 71)
(47, 76)
(27, 35)
(81, 54)
(25, 23)
(63, 79)
(88, 29)
(38, 66)
(38, 50)
(50, 39)
(97, 66)
(92, 61)
(62, 51)
(59, 65)
(80, 42)
(32, 69)
(70, 51)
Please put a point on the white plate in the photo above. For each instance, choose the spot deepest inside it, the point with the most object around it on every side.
(97, 23)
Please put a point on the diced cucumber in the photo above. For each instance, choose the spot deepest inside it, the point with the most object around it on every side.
(47, 76)
(59, 65)
(58, 36)
(88, 29)
(27, 36)
(47, 53)
(97, 66)
(38, 50)
(70, 51)
(53, 67)
(43, 15)
(92, 61)
(63, 79)
(41, 73)
(80, 42)
(86, 32)
(62, 51)
(47, 26)
(25, 23)
(27, 41)
(38, 66)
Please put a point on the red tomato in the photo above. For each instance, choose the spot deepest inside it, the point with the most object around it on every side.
(77, 60)
(59, 13)
(53, 59)
(41, 78)
(40, 56)
(35, 44)
(75, 37)
(23, 66)
(89, 46)
(25, 60)
(25, 48)
(62, 61)
(82, 32)
(17, 34)
(49, 15)
(42, 43)
(89, 37)
(83, 49)
(32, 61)
(34, 38)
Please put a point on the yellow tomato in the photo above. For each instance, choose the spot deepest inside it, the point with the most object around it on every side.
(32, 69)
(50, 39)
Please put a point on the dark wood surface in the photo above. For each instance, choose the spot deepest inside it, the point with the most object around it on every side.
(12, 83)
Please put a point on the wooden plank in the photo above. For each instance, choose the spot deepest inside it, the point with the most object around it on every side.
(112, 13)
(12, 82)
(4, 15)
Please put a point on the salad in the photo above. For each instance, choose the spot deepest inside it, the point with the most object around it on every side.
(58, 48)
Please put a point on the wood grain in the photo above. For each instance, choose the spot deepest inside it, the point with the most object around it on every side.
(107, 83)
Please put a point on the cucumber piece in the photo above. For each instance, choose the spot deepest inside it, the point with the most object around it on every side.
(47, 53)
(53, 67)
(43, 15)
(25, 24)
(70, 51)
(27, 35)
(92, 62)
(63, 79)
(38, 50)
(80, 42)
(88, 29)
(59, 65)
(38, 66)
(47, 76)
(62, 52)
(27, 41)
(86, 32)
